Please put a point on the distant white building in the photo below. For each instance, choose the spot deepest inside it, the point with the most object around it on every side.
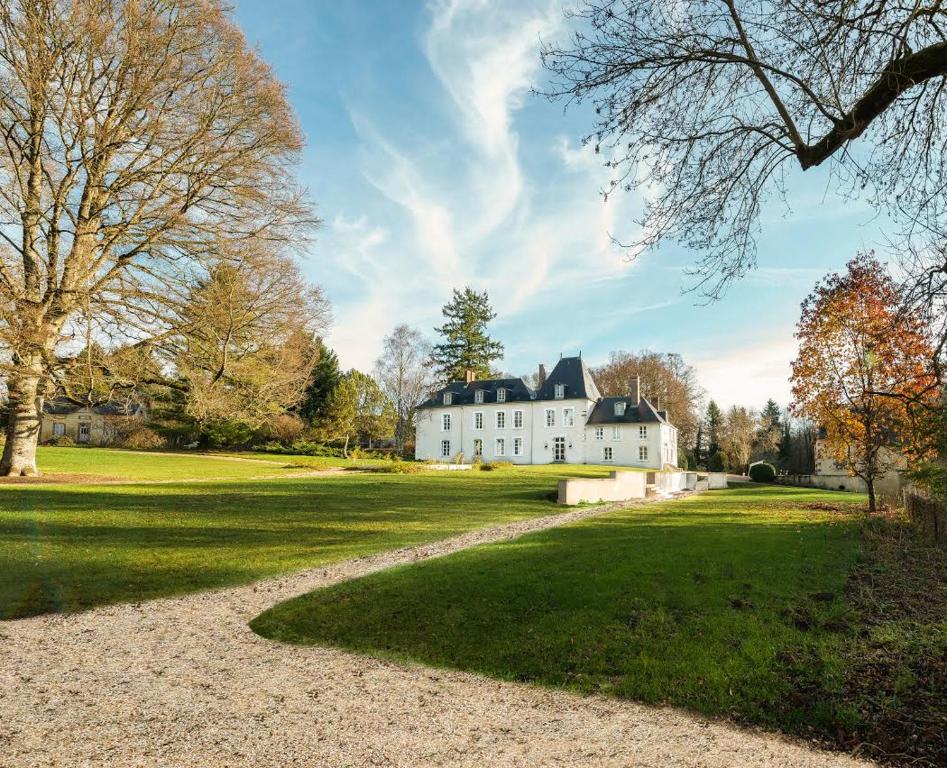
(565, 420)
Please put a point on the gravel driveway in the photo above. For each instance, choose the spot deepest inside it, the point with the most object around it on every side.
(184, 682)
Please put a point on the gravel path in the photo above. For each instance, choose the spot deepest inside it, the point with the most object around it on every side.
(184, 682)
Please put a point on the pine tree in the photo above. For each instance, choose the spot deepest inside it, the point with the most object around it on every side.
(770, 431)
(713, 424)
(325, 378)
(466, 345)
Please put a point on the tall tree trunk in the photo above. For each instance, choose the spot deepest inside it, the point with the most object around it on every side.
(872, 503)
(25, 408)
(345, 448)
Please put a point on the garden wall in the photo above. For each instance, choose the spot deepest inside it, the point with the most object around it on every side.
(618, 486)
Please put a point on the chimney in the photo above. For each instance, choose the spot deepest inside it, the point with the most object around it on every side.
(634, 390)
(469, 376)
(542, 375)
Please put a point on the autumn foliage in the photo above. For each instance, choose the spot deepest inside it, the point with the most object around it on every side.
(863, 370)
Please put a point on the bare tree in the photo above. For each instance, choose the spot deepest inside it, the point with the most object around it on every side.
(736, 440)
(711, 103)
(142, 139)
(404, 375)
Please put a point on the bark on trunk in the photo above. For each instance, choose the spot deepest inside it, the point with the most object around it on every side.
(872, 504)
(25, 407)
(345, 448)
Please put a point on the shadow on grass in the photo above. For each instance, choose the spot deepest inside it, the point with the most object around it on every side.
(69, 548)
(693, 604)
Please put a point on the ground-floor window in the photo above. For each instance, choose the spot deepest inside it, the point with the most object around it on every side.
(500, 447)
(59, 429)
(642, 453)
(607, 453)
(85, 430)
(517, 446)
(445, 449)
(478, 447)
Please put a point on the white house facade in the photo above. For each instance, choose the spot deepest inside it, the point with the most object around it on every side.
(565, 420)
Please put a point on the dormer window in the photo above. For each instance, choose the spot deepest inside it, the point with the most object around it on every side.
(448, 398)
(559, 391)
(620, 408)
(501, 395)
(478, 396)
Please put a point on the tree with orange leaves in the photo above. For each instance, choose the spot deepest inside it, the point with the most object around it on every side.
(862, 370)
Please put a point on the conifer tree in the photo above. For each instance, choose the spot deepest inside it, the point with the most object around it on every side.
(713, 424)
(466, 344)
(325, 378)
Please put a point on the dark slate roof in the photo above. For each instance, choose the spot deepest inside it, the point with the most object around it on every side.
(62, 406)
(577, 378)
(643, 413)
(464, 394)
(570, 371)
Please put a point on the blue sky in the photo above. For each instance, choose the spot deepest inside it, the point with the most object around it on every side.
(433, 166)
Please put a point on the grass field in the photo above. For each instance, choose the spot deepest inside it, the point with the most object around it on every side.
(73, 546)
(153, 465)
(735, 603)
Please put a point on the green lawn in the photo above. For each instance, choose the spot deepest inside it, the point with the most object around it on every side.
(70, 547)
(732, 603)
(115, 464)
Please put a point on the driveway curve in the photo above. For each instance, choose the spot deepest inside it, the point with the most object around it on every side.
(184, 682)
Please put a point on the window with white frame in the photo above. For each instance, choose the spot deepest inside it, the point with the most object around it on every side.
(59, 429)
(643, 433)
(478, 419)
(550, 417)
(501, 419)
(517, 446)
(568, 417)
(608, 453)
(501, 395)
(448, 398)
(600, 433)
(642, 453)
(445, 449)
(620, 408)
(559, 391)
(478, 396)
(478, 447)
(445, 422)
(500, 447)
(517, 419)
(616, 433)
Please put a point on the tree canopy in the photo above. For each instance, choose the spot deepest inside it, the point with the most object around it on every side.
(711, 105)
(862, 370)
(466, 345)
(144, 142)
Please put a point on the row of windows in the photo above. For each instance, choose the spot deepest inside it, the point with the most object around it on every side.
(559, 392)
(499, 447)
(608, 453)
(568, 419)
(616, 433)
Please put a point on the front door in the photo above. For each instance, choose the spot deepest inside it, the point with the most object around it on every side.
(84, 431)
(559, 449)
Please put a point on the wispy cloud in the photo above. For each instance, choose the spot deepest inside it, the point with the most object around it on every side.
(477, 211)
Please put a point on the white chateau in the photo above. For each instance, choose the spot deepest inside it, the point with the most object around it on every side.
(565, 421)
